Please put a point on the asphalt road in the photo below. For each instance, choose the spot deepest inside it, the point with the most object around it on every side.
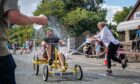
(93, 73)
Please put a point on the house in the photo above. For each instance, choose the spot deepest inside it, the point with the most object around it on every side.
(131, 22)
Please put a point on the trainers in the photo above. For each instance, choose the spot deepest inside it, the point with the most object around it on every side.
(50, 61)
(109, 72)
(124, 63)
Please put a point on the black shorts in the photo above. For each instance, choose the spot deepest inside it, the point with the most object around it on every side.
(7, 70)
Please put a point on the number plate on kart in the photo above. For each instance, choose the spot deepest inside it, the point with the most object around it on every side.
(64, 74)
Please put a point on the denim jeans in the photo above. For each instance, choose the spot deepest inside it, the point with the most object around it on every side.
(7, 70)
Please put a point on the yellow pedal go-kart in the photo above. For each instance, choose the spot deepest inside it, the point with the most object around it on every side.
(55, 68)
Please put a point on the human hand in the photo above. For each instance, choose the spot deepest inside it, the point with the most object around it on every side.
(63, 44)
(41, 20)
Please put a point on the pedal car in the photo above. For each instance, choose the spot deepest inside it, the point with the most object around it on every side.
(55, 69)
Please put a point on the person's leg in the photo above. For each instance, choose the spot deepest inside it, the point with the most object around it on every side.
(111, 52)
(61, 59)
(28, 49)
(48, 49)
(96, 54)
(137, 44)
(99, 53)
(21, 50)
(31, 48)
(114, 52)
(114, 58)
(7, 70)
(133, 45)
(14, 51)
(111, 55)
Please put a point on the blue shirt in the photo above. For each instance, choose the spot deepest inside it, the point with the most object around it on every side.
(138, 33)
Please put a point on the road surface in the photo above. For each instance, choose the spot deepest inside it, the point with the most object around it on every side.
(93, 73)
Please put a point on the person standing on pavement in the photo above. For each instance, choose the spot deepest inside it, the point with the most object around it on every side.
(27, 46)
(136, 41)
(9, 13)
(97, 48)
(30, 45)
(111, 44)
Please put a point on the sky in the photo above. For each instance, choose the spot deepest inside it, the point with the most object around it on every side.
(28, 6)
(122, 3)
(116, 5)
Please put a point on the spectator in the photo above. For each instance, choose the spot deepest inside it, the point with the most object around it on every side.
(136, 41)
(24, 48)
(30, 45)
(14, 48)
(27, 45)
(88, 39)
(97, 48)
(9, 12)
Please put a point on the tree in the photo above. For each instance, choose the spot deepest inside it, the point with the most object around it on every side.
(81, 20)
(20, 34)
(113, 29)
(50, 8)
(76, 16)
(121, 15)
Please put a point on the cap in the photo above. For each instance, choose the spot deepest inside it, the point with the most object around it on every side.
(48, 28)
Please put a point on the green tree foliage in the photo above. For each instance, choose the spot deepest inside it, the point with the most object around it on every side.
(51, 8)
(113, 30)
(81, 20)
(121, 15)
(76, 16)
(71, 5)
(20, 34)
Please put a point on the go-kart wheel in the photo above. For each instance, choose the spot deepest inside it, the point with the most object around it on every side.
(78, 72)
(65, 63)
(36, 68)
(45, 72)
(64, 59)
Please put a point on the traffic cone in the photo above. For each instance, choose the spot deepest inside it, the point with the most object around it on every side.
(105, 60)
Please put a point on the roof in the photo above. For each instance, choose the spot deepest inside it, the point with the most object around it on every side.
(128, 25)
(133, 10)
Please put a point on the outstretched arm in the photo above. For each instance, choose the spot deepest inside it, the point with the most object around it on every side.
(18, 18)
